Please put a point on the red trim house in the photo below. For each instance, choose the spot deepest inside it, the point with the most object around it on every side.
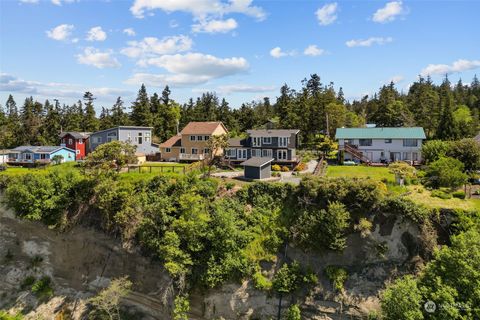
(76, 141)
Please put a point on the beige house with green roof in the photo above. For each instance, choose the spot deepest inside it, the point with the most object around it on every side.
(381, 144)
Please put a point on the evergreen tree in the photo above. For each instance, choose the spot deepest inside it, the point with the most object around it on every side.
(118, 115)
(90, 122)
(446, 127)
(52, 125)
(141, 114)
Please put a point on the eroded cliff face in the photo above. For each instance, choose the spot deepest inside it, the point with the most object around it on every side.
(81, 261)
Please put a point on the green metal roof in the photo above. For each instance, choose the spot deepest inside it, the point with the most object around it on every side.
(380, 133)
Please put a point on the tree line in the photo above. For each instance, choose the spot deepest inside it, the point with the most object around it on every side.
(445, 111)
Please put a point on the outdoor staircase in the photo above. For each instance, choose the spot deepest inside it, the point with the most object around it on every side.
(356, 154)
(321, 167)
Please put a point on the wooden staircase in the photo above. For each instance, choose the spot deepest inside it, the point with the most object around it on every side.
(321, 167)
(356, 154)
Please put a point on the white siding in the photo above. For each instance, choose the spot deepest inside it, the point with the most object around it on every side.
(378, 146)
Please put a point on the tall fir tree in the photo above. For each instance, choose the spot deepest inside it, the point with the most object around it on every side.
(118, 114)
(90, 122)
(141, 114)
(446, 127)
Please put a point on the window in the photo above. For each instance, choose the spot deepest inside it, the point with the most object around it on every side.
(267, 140)
(282, 154)
(267, 153)
(206, 150)
(168, 150)
(43, 156)
(129, 136)
(27, 156)
(194, 151)
(410, 142)
(406, 156)
(98, 139)
(242, 153)
(80, 141)
(206, 138)
(147, 136)
(388, 140)
(414, 156)
(231, 153)
(77, 151)
(192, 138)
(365, 142)
(283, 141)
(139, 138)
(199, 138)
(256, 142)
(256, 153)
(63, 140)
(70, 141)
(182, 150)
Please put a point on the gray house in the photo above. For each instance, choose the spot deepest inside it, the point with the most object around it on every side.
(141, 137)
(279, 144)
(257, 168)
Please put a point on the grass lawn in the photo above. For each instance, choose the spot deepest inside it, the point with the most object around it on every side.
(422, 196)
(377, 173)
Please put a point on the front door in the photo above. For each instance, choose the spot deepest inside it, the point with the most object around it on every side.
(395, 156)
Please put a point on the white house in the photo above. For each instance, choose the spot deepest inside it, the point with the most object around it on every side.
(381, 144)
(3, 156)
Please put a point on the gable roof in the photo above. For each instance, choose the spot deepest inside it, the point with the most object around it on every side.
(175, 141)
(380, 133)
(237, 142)
(257, 161)
(272, 132)
(207, 127)
(39, 149)
(76, 134)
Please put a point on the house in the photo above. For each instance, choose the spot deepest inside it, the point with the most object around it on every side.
(381, 144)
(42, 154)
(257, 168)
(76, 141)
(191, 143)
(279, 144)
(141, 137)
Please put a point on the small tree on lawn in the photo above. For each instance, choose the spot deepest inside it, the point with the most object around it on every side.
(445, 172)
(57, 159)
(402, 171)
(112, 155)
(107, 302)
(215, 144)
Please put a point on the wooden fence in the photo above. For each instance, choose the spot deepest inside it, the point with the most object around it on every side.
(161, 169)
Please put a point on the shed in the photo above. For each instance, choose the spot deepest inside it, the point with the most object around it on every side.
(257, 168)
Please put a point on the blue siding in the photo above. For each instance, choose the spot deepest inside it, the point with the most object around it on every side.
(68, 155)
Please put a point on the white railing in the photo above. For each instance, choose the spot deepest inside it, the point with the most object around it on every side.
(190, 156)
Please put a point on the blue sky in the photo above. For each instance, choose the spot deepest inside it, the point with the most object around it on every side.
(241, 49)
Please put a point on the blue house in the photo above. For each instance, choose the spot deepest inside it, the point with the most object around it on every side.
(42, 154)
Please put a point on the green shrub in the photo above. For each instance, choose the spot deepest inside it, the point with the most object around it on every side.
(291, 277)
(261, 282)
(301, 166)
(441, 194)
(364, 226)
(27, 282)
(337, 275)
(293, 313)
(276, 167)
(6, 316)
(445, 172)
(229, 185)
(459, 194)
(42, 288)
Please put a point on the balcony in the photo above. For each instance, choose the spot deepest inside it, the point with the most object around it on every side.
(191, 157)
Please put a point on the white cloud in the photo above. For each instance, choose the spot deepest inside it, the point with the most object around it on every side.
(96, 34)
(313, 50)
(457, 66)
(327, 14)
(388, 13)
(59, 2)
(278, 53)
(228, 89)
(198, 8)
(9, 83)
(368, 42)
(151, 46)
(215, 26)
(61, 32)
(396, 79)
(97, 58)
(189, 69)
(129, 32)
